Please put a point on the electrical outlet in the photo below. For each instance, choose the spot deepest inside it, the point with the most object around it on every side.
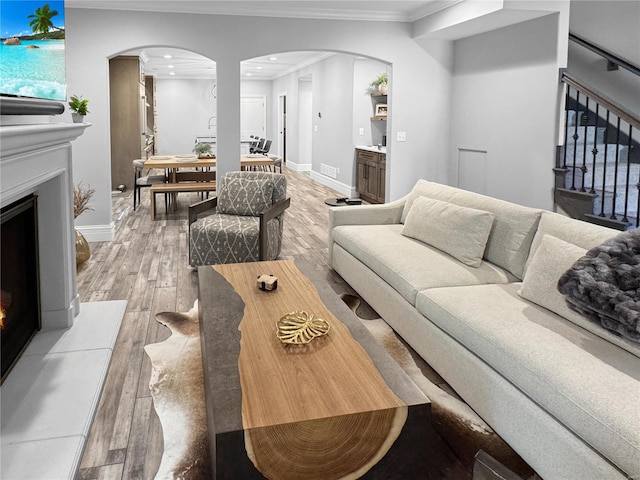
(401, 136)
(361, 131)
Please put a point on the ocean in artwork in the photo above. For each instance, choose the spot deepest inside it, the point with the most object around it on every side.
(34, 72)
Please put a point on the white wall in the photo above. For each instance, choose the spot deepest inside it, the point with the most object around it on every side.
(615, 26)
(184, 110)
(364, 72)
(90, 43)
(330, 119)
(506, 103)
(305, 121)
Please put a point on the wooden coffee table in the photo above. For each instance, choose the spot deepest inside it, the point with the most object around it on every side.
(338, 407)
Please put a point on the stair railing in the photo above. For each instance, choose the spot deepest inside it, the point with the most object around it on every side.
(590, 103)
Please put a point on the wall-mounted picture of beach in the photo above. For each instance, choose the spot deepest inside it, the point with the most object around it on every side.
(32, 50)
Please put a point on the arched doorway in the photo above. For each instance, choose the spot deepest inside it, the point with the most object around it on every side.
(162, 100)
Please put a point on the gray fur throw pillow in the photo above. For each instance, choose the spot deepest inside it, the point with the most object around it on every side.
(604, 285)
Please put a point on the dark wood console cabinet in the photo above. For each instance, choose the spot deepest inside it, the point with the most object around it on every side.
(371, 169)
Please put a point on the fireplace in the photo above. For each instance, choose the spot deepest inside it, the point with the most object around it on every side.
(35, 161)
(19, 279)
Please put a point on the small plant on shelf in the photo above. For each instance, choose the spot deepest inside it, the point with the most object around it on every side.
(79, 105)
(380, 82)
(203, 150)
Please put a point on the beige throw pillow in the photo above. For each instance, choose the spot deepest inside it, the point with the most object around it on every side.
(459, 231)
(540, 285)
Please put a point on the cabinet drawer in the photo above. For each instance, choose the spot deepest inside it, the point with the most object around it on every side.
(365, 155)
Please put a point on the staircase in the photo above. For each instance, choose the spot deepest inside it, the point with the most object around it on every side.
(598, 167)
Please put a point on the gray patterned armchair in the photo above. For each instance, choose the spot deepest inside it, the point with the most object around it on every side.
(244, 222)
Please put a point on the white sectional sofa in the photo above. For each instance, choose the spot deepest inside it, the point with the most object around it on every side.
(561, 390)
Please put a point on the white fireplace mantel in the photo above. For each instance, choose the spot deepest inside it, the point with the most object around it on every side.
(36, 159)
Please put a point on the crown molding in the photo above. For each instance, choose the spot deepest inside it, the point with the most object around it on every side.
(387, 11)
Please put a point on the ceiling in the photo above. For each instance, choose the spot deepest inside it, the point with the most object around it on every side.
(167, 63)
(184, 64)
(373, 10)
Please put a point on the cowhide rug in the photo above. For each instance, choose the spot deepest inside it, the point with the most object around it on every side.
(177, 388)
(178, 396)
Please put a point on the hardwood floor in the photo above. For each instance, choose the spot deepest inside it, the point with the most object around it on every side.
(146, 264)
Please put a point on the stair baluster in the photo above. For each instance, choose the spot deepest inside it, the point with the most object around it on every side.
(575, 144)
(615, 174)
(594, 151)
(604, 171)
(626, 183)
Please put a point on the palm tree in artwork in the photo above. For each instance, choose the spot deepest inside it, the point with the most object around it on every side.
(41, 22)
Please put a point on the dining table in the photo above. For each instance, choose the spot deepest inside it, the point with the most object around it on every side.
(190, 168)
(174, 163)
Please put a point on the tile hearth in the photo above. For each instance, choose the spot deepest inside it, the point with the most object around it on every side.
(49, 399)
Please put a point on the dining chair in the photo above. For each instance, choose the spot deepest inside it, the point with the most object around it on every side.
(277, 162)
(141, 181)
(265, 148)
(244, 222)
(258, 146)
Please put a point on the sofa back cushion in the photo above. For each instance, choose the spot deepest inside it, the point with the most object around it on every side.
(584, 235)
(513, 227)
(552, 258)
(459, 231)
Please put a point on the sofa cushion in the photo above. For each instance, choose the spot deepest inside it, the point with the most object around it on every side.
(459, 231)
(540, 284)
(513, 228)
(590, 385)
(551, 260)
(409, 265)
(583, 234)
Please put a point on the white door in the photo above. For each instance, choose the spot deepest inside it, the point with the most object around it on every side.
(253, 117)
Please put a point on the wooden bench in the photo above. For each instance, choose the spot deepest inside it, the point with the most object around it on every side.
(177, 188)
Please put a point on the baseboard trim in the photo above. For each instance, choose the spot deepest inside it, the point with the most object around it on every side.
(298, 167)
(340, 187)
(98, 233)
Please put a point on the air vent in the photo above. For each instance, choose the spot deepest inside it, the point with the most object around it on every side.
(328, 170)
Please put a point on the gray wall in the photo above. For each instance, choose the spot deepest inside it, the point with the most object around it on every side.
(505, 114)
(90, 43)
(615, 26)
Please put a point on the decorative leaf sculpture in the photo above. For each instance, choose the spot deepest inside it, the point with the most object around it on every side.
(299, 328)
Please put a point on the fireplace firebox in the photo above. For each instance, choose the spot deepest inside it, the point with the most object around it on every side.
(19, 279)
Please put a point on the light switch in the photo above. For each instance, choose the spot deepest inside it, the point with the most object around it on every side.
(401, 136)
(361, 131)
(315, 128)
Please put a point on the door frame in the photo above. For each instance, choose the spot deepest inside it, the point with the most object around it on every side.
(282, 126)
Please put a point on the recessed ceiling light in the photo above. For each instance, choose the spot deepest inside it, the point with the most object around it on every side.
(172, 73)
(169, 66)
(249, 74)
(167, 56)
(258, 68)
(273, 58)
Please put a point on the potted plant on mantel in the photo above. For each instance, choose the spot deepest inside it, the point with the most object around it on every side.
(81, 197)
(78, 108)
(203, 150)
(380, 83)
